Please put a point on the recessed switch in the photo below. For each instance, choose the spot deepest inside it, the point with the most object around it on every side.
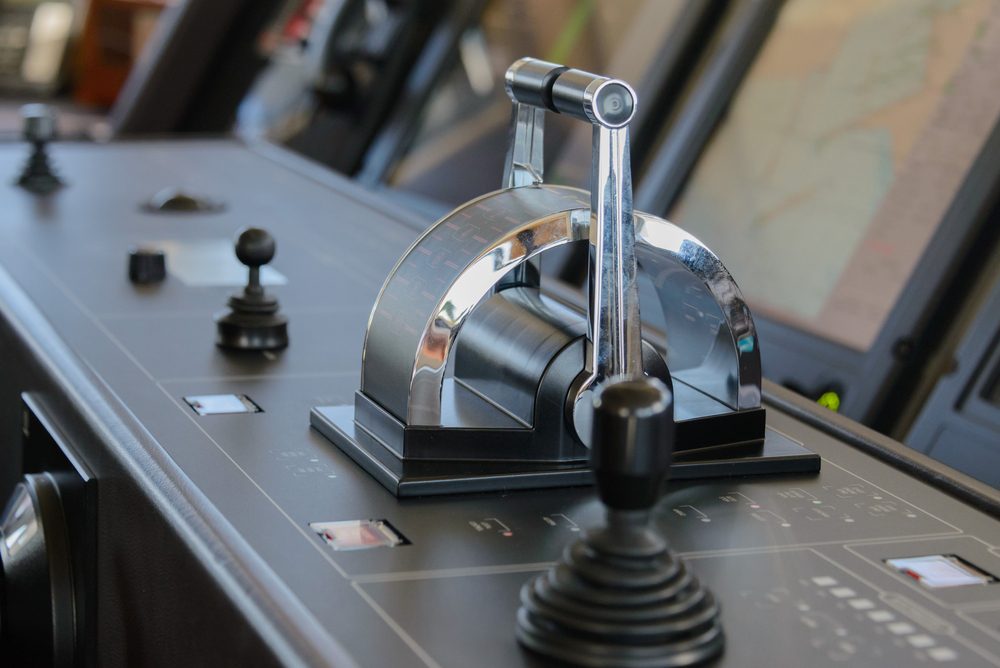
(358, 534)
(222, 404)
(940, 571)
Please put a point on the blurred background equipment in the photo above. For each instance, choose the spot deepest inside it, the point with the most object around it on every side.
(428, 117)
(74, 54)
(35, 42)
(198, 64)
(114, 34)
(850, 180)
(959, 423)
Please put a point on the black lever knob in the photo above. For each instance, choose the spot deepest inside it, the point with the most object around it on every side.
(632, 442)
(254, 248)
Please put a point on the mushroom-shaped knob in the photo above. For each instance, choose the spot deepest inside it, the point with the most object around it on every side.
(254, 247)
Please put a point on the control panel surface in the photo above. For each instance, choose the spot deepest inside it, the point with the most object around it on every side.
(803, 565)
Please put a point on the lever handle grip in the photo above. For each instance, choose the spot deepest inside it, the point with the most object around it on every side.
(588, 97)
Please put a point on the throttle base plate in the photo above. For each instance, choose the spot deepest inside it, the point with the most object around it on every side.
(778, 454)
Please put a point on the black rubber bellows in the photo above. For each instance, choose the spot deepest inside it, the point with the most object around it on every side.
(619, 596)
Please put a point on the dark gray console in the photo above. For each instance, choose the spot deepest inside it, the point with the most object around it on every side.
(958, 424)
(227, 530)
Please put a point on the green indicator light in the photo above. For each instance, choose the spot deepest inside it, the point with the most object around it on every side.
(829, 400)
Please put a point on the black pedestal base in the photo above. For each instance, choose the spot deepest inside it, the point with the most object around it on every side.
(778, 454)
(240, 331)
(38, 176)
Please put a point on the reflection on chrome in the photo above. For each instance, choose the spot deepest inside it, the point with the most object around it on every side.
(711, 339)
(476, 282)
(486, 245)
(715, 352)
(21, 523)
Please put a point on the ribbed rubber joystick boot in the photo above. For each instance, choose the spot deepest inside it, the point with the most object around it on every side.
(619, 596)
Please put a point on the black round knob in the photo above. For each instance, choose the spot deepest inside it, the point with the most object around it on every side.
(39, 615)
(175, 200)
(179, 200)
(146, 265)
(633, 442)
(254, 247)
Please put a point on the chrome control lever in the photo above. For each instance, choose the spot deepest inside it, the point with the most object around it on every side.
(613, 346)
(472, 379)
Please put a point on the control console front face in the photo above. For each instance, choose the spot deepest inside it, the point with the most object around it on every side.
(858, 564)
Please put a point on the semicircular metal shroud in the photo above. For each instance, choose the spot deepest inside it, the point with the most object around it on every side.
(434, 289)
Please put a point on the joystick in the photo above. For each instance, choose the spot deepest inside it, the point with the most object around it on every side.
(39, 128)
(619, 596)
(252, 321)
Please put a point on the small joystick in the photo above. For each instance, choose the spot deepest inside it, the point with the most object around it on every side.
(39, 128)
(252, 321)
(619, 596)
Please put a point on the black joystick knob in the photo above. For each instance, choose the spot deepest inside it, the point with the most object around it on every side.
(254, 248)
(619, 596)
(252, 321)
(39, 128)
